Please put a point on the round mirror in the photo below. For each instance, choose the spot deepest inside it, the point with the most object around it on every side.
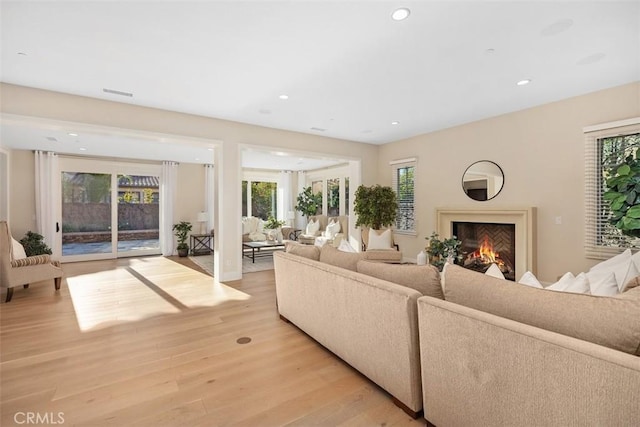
(482, 180)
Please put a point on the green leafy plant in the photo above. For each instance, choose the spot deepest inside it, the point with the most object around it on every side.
(439, 250)
(181, 231)
(34, 244)
(308, 202)
(623, 195)
(272, 223)
(376, 206)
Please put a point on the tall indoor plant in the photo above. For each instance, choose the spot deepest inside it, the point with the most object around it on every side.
(623, 195)
(181, 231)
(308, 202)
(376, 206)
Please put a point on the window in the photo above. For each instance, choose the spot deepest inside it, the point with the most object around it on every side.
(606, 146)
(316, 188)
(333, 197)
(403, 182)
(259, 198)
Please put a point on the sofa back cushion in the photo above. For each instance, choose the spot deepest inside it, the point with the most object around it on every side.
(423, 278)
(608, 321)
(307, 251)
(333, 256)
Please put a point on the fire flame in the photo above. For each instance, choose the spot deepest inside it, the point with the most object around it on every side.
(486, 253)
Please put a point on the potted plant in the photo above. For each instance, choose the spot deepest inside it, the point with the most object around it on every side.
(33, 244)
(441, 251)
(181, 231)
(308, 203)
(274, 228)
(623, 195)
(376, 206)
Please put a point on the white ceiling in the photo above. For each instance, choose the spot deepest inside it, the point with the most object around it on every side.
(346, 66)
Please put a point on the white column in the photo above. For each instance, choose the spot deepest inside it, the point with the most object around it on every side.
(355, 179)
(228, 224)
(209, 196)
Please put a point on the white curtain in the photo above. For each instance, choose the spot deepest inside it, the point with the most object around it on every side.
(209, 195)
(168, 190)
(46, 179)
(284, 195)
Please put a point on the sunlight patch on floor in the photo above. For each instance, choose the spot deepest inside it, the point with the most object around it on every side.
(141, 288)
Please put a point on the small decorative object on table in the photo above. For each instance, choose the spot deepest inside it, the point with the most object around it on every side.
(441, 251)
(422, 258)
(273, 229)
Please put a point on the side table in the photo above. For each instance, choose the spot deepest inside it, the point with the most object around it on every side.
(201, 244)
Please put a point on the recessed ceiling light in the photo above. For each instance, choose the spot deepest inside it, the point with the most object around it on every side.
(400, 14)
(197, 159)
(395, 122)
(83, 149)
(22, 54)
(73, 134)
(524, 82)
(489, 51)
(209, 149)
(284, 97)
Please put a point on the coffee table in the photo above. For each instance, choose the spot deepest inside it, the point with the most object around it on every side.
(260, 249)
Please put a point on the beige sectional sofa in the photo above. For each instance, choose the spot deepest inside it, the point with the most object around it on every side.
(368, 322)
(488, 355)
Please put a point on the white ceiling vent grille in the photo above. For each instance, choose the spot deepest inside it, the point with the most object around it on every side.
(117, 92)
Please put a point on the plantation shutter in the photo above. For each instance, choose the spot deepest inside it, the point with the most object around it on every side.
(403, 183)
(602, 239)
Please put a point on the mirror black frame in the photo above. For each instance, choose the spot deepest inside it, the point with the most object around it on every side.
(481, 194)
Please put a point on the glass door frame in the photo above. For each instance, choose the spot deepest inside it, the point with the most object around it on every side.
(114, 168)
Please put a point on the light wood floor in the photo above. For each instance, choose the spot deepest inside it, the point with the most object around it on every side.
(153, 341)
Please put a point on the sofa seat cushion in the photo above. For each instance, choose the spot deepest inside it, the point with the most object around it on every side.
(608, 321)
(307, 251)
(423, 278)
(333, 256)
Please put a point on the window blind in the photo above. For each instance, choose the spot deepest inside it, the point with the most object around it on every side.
(605, 146)
(403, 182)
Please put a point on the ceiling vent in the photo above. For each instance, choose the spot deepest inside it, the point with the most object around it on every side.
(52, 139)
(318, 129)
(117, 92)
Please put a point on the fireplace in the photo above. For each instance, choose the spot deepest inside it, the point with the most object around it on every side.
(508, 232)
(484, 244)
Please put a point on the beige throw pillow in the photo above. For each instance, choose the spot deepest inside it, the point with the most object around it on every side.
(333, 256)
(307, 251)
(423, 278)
(608, 321)
(18, 249)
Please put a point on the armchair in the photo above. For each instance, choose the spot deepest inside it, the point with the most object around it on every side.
(391, 254)
(16, 272)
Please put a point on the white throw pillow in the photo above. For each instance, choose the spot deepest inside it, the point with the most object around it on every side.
(494, 271)
(529, 279)
(345, 246)
(333, 228)
(313, 227)
(569, 283)
(379, 241)
(603, 283)
(622, 265)
(18, 249)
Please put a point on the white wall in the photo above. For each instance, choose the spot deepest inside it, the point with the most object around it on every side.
(540, 150)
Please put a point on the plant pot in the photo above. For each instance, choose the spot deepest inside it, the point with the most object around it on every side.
(183, 252)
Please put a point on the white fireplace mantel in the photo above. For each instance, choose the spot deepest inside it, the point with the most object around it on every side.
(524, 220)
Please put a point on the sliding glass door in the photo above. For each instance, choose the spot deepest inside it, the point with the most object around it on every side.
(108, 209)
